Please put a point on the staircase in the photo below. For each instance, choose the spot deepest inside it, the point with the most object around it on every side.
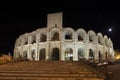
(46, 70)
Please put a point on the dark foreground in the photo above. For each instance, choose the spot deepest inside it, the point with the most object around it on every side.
(114, 71)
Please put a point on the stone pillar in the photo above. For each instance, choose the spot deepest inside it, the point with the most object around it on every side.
(47, 51)
(29, 51)
(96, 48)
(62, 52)
(29, 39)
(36, 52)
(87, 47)
(37, 38)
(75, 56)
(87, 51)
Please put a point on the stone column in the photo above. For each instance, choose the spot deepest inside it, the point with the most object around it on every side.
(75, 56)
(47, 51)
(29, 51)
(87, 47)
(62, 52)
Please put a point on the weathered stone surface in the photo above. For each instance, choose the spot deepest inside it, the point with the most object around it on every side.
(57, 43)
(46, 70)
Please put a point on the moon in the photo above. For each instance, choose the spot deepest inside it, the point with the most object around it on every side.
(110, 29)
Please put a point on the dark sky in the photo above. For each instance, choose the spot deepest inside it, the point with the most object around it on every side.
(18, 17)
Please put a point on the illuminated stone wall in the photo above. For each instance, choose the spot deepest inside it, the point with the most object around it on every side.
(57, 43)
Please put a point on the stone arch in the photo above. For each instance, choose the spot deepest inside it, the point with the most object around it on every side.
(25, 40)
(81, 53)
(92, 36)
(100, 39)
(110, 43)
(17, 54)
(91, 54)
(106, 41)
(106, 55)
(68, 33)
(33, 55)
(25, 55)
(68, 54)
(55, 54)
(55, 36)
(18, 42)
(42, 54)
(81, 34)
(43, 37)
(33, 38)
(99, 56)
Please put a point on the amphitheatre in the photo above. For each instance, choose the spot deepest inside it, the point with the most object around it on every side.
(57, 43)
(58, 53)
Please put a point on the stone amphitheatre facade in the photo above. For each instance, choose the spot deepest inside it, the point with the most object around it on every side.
(57, 43)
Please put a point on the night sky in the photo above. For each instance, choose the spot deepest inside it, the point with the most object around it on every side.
(18, 17)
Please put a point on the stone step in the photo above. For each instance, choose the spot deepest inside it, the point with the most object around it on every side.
(48, 78)
(41, 66)
(34, 68)
(46, 75)
(45, 71)
(44, 62)
(48, 68)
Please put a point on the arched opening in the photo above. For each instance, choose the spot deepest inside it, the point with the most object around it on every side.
(43, 38)
(91, 54)
(80, 38)
(20, 57)
(33, 55)
(19, 43)
(106, 41)
(25, 55)
(25, 40)
(55, 54)
(80, 53)
(17, 54)
(68, 54)
(81, 35)
(55, 37)
(68, 35)
(90, 38)
(42, 54)
(33, 39)
(99, 40)
(100, 56)
(106, 55)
